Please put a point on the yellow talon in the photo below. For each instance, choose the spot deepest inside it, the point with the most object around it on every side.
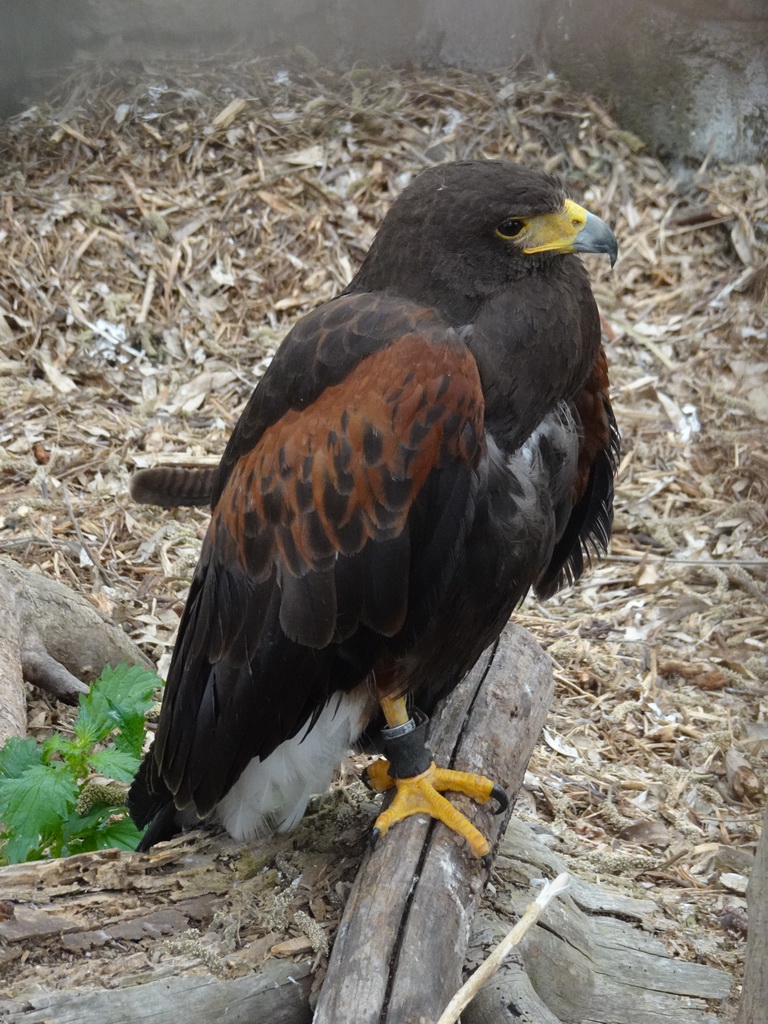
(377, 776)
(420, 794)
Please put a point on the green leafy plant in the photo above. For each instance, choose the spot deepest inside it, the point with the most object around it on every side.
(50, 803)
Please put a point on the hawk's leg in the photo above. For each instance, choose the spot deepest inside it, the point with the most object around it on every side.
(419, 782)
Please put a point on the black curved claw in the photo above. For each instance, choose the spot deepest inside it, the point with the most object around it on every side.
(501, 798)
(374, 837)
(366, 780)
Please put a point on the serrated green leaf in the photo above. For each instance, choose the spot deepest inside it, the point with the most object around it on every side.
(115, 764)
(77, 829)
(17, 755)
(94, 831)
(38, 791)
(56, 744)
(130, 689)
(33, 807)
(95, 719)
(82, 844)
(130, 737)
(17, 849)
(120, 835)
(113, 701)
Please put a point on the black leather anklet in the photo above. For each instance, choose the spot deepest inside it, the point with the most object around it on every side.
(405, 749)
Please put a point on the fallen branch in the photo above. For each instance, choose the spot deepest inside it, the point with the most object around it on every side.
(400, 947)
(51, 637)
(495, 959)
(595, 959)
(754, 994)
(277, 995)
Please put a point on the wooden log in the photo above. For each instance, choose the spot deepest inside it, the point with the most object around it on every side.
(277, 995)
(753, 1005)
(509, 997)
(592, 956)
(53, 638)
(13, 700)
(400, 947)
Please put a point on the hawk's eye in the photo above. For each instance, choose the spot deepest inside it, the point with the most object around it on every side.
(510, 228)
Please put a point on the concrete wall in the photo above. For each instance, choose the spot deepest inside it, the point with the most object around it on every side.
(688, 76)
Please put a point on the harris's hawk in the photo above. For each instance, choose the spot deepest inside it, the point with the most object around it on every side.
(422, 450)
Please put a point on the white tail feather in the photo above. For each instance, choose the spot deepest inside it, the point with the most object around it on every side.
(272, 795)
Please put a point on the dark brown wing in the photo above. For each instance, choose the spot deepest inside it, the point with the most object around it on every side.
(588, 528)
(341, 502)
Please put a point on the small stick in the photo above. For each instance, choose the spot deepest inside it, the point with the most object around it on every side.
(146, 301)
(86, 548)
(495, 958)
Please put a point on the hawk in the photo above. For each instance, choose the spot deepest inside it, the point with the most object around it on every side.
(422, 450)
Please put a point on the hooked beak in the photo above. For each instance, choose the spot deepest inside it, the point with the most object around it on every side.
(572, 229)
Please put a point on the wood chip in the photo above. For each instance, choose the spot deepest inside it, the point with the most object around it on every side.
(292, 947)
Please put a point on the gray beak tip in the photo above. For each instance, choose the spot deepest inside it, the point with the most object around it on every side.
(597, 237)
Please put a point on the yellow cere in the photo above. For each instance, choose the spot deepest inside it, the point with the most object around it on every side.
(554, 231)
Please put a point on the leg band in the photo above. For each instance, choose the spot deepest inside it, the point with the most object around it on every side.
(405, 749)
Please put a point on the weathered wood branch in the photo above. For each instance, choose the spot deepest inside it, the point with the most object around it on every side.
(590, 958)
(139, 895)
(400, 947)
(13, 704)
(53, 638)
(754, 995)
(277, 995)
(509, 998)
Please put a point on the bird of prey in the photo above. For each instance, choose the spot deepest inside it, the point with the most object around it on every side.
(422, 450)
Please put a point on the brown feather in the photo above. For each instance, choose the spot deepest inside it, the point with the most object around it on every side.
(592, 405)
(293, 476)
